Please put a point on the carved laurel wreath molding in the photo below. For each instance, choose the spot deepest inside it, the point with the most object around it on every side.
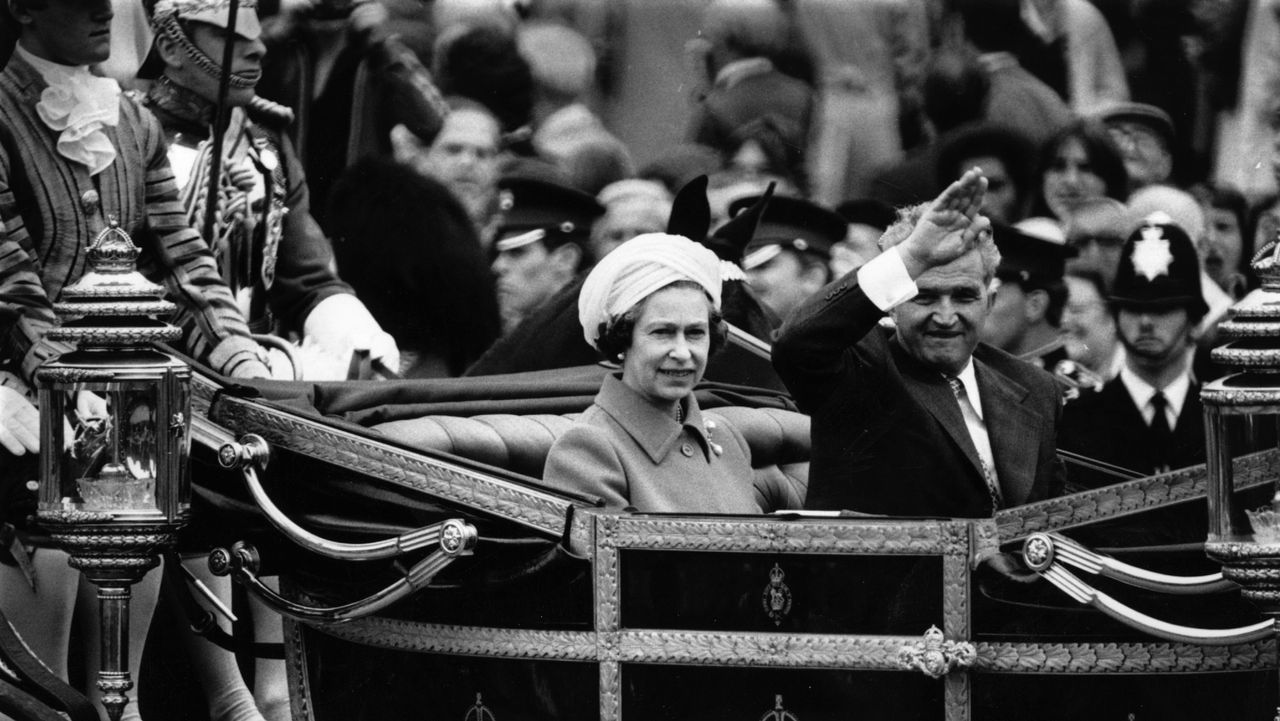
(1067, 658)
(763, 535)
(1123, 499)
(794, 650)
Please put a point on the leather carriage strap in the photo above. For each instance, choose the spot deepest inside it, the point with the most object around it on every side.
(32, 680)
(204, 623)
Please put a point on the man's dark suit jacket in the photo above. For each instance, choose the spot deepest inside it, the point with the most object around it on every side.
(1107, 426)
(888, 435)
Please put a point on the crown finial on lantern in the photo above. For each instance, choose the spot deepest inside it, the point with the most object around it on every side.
(112, 250)
(1266, 263)
(113, 304)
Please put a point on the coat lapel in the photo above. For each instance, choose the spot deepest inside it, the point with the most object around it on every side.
(1009, 423)
(933, 392)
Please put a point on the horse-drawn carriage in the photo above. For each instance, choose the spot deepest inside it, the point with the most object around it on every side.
(425, 571)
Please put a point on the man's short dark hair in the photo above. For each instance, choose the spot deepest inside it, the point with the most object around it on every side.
(8, 19)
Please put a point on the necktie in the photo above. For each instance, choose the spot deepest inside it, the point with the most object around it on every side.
(1161, 435)
(971, 416)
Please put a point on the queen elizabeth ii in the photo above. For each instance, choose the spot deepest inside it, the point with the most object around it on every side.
(653, 306)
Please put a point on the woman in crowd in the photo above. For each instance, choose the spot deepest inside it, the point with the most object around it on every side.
(1227, 245)
(653, 305)
(1079, 164)
(759, 148)
(1090, 328)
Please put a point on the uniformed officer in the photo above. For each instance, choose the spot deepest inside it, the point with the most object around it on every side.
(1030, 295)
(270, 250)
(1148, 418)
(789, 258)
(542, 243)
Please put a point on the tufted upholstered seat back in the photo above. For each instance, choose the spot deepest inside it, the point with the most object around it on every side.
(779, 439)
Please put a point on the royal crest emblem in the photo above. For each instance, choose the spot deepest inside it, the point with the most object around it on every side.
(1151, 255)
(776, 597)
(479, 712)
(779, 712)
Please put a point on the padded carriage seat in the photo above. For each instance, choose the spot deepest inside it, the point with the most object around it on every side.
(779, 439)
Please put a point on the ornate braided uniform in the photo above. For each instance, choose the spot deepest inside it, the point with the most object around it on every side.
(271, 253)
(51, 207)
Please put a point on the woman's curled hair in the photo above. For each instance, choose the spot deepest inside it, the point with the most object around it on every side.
(615, 335)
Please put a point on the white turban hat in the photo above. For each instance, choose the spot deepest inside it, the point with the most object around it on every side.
(638, 268)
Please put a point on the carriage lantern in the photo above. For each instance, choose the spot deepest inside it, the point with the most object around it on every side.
(1246, 541)
(114, 433)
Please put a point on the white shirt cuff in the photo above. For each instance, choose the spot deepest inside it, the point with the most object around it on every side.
(885, 281)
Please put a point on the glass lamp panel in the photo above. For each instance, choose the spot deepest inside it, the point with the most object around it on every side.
(112, 445)
(173, 495)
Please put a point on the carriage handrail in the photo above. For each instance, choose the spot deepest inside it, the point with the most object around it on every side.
(1075, 554)
(1041, 553)
(483, 490)
(241, 561)
(252, 451)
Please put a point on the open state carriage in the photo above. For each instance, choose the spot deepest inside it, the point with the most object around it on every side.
(426, 572)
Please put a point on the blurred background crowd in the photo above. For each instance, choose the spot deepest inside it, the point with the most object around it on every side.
(1084, 114)
(471, 160)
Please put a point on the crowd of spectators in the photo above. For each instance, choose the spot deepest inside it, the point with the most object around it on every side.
(471, 161)
(1064, 104)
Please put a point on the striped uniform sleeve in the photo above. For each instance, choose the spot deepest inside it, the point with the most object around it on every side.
(189, 269)
(23, 299)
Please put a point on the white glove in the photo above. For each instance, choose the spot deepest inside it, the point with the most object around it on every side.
(88, 405)
(19, 423)
(339, 325)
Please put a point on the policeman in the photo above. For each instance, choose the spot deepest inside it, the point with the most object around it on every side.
(270, 250)
(1148, 418)
(542, 243)
(789, 258)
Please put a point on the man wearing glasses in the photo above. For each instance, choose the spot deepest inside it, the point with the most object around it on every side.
(1145, 136)
(1097, 232)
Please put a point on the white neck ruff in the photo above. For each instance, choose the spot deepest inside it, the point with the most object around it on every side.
(79, 106)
